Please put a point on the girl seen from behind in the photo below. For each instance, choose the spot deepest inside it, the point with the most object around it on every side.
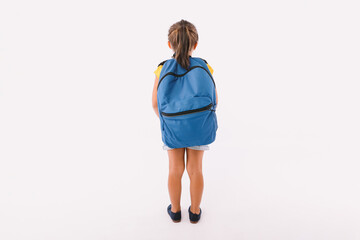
(189, 122)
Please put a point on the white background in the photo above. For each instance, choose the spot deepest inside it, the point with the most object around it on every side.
(80, 147)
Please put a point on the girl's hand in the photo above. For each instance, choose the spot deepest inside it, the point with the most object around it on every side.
(154, 96)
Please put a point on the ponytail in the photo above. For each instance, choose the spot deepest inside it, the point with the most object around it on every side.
(183, 36)
(182, 51)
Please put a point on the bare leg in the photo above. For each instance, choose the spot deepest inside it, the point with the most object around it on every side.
(176, 170)
(194, 169)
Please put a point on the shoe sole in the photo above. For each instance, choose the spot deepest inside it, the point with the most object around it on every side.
(194, 222)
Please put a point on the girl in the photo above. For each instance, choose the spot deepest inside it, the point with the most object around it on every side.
(182, 39)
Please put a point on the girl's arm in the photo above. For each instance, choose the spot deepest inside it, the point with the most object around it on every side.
(154, 96)
(216, 97)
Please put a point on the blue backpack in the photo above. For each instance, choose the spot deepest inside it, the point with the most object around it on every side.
(186, 103)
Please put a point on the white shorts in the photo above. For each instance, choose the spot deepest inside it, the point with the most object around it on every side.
(201, 147)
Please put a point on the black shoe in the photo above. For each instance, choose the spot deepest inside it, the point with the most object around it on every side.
(176, 217)
(194, 218)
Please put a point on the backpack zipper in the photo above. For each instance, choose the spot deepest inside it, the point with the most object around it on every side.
(188, 111)
(180, 75)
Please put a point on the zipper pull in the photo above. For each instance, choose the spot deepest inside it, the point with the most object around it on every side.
(214, 108)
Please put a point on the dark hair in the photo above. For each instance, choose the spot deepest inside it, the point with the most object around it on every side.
(183, 36)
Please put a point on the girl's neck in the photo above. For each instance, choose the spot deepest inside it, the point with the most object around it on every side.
(174, 55)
